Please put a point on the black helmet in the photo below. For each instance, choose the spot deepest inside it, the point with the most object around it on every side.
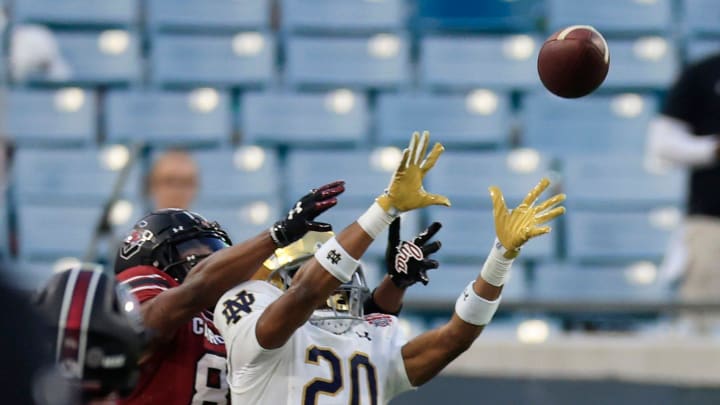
(96, 331)
(172, 240)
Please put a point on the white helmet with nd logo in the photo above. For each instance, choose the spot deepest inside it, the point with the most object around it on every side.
(344, 307)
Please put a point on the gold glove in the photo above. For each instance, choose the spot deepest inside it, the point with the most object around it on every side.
(514, 228)
(405, 191)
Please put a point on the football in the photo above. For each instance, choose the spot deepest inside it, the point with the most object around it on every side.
(574, 61)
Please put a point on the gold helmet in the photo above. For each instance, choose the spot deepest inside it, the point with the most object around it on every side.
(344, 307)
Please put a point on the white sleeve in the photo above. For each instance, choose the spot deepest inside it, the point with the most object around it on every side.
(398, 381)
(671, 141)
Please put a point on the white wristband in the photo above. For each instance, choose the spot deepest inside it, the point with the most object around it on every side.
(375, 220)
(473, 308)
(496, 268)
(333, 258)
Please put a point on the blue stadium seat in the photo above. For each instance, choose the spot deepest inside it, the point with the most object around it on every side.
(364, 172)
(244, 59)
(304, 119)
(647, 62)
(594, 124)
(468, 235)
(507, 62)
(380, 61)
(85, 176)
(77, 12)
(107, 57)
(51, 117)
(343, 15)
(698, 49)
(618, 236)
(620, 181)
(345, 214)
(47, 232)
(243, 221)
(200, 117)
(449, 280)
(226, 15)
(230, 177)
(486, 15)
(556, 282)
(612, 16)
(702, 17)
(465, 176)
(482, 117)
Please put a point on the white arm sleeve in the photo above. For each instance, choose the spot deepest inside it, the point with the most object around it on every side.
(670, 141)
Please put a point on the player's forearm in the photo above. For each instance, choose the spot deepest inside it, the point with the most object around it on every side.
(310, 288)
(227, 268)
(428, 354)
(388, 297)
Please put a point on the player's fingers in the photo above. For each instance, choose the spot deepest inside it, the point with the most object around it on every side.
(427, 234)
(432, 158)
(324, 205)
(550, 202)
(536, 191)
(422, 273)
(333, 184)
(318, 226)
(404, 161)
(435, 199)
(431, 248)
(549, 215)
(422, 150)
(538, 231)
(329, 192)
(414, 143)
(498, 201)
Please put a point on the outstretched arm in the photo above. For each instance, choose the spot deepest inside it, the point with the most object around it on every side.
(407, 263)
(336, 261)
(224, 269)
(429, 353)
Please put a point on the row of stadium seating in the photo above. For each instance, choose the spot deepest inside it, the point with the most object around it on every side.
(610, 16)
(342, 118)
(620, 210)
(251, 59)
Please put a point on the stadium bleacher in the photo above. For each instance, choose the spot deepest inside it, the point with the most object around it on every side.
(257, 90)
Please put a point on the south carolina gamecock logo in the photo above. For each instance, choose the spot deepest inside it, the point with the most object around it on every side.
(134, 242)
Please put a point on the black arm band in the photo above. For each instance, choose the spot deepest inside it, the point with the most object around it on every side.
(371, 307)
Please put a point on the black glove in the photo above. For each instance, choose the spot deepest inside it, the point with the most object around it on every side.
(300, 218)
(407, 262)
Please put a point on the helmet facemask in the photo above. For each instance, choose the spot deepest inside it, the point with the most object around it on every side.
(344, 307)
(342, 310)
(184, 255)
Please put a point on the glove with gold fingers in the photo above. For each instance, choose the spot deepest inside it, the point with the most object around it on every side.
(405, 191)
(513, 228)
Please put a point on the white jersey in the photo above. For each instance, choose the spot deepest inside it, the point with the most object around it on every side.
(361, 366)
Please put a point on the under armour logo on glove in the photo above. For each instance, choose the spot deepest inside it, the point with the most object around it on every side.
(334, 256)
(301, 218)
(407, 261)
(296, 210)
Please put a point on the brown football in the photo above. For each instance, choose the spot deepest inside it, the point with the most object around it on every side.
(574, 61)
